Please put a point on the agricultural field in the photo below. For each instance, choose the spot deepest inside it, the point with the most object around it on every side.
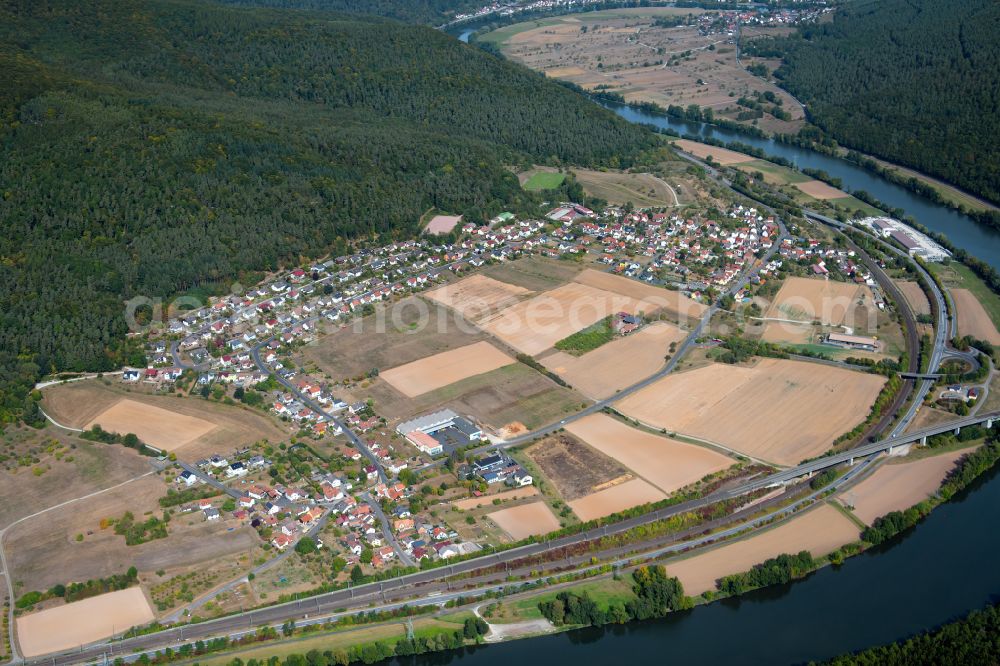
(819, 190)
(820, 531)
(664, 462)
(915, 296)
(615, 498)
(514, 394)
(534, 273)
(477, 296)
(78, 542)
(824, 301)
(774, 410)
(622, 362)
(192, 428)
(574, 468)
(626, 52)
(899, 485)
(973, 319)
(439, 370)
(956, 275)
(643, 190)
(79, 623)
(719, 155)
(520, 522)
(411, 331)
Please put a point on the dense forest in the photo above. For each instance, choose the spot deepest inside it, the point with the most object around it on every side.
(152, 148)
(916, 82)
(971, 641)
(428, 12)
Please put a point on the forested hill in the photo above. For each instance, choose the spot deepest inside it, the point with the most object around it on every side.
(155, 147)
(428, 12)
(913, 81)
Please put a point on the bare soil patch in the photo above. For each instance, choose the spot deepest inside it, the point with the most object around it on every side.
(622, 362)
(898, 486)
(442, 224)
(914, 296)
(666, 463)
(433, 372)
(817, 189)
(614, 499)
(776, 410)
(574, 468)
(525, 520)
(231, 426)
(159, 427)
(477, 296)
(722, 156)
(972, 317)
(820, 531)
(829, 302)
(82, 622)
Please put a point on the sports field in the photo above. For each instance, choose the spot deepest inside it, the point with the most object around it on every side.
(775, 410)
(622, 362)
(666, 463)
(525, 520)
(82, 622)
(433, 372)
(820, 531)
(544, 180)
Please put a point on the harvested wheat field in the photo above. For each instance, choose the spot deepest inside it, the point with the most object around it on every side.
(477, 296)
(82, 622)
(972, 317)
(161, 428)
(446, 368)
(817, 189)
(622, 362)
(722, 156)
(915, 296)
(506, 496)
(820, 531)
(775, 410)
(831, 303)
(614, 499)
(787, 332)
(898, 486)
(192, 427)
(651, 298)
(666, 463)
(526, 520)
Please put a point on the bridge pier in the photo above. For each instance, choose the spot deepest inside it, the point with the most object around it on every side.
(923, 441)
(957, 430)
(851, 462)
(889, 451)
(989, 423)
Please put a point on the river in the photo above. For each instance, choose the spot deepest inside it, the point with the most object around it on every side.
(937, 572)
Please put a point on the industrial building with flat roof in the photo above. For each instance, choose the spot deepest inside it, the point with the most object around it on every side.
(439, 431)
(852, 341)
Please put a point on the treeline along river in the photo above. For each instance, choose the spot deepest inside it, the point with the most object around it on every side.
(937, 572)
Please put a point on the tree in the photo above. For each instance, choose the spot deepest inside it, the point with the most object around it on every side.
(357, 575)
(305, 546)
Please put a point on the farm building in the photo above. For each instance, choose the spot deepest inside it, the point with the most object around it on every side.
(852, 341)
